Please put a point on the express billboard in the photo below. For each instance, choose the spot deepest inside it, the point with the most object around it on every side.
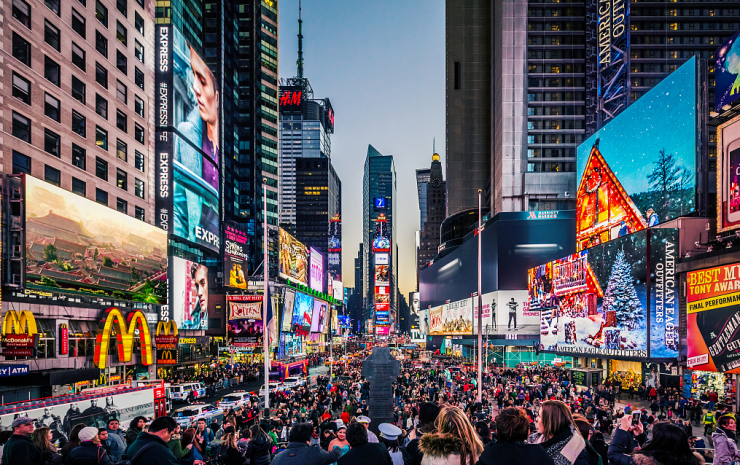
(235, 256)
(293, 259)
(640, 169)
(317, 270)
(189, 298)
(188, 142)
(713, 317)
(75, 244)
(726, 71)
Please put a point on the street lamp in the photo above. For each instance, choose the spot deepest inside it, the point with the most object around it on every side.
(480, 308)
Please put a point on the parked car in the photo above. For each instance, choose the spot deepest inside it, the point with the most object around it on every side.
(190, 415)
(294, 381)
(234, 400)
(274, 387)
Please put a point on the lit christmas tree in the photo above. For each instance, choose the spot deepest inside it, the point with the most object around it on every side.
(621, 296)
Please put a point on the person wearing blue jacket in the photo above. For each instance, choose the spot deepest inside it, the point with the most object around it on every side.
(669, 445)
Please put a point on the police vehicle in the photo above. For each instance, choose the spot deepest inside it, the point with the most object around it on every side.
(190, 415)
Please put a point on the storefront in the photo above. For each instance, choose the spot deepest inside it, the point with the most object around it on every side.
(696, 383)
(624, 374)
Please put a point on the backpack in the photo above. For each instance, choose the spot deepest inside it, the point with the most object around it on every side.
(136, 455)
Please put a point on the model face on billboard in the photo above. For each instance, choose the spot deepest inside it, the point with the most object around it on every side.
(200, 276)
(207, 96)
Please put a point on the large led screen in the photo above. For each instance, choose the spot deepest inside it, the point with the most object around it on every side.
(728, 175)
(318, 319)
(302, 313)
(317, 270)
(187, 144)
(293, 259)
(288, 306)
(235, 256)
(663, 293)
(245, 327)
(75, 244)
(452, 319)
(727, 73)
(639, 170)
(713, 318)
(382, 237)
(189, 285)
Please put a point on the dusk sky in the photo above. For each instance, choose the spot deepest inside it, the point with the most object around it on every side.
(382, 65)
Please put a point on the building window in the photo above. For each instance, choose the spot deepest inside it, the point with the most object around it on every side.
(51, 35)
(140, 2)
(52, 143)
(101, 106)
(121, 91)
(139, 133)
(21, 89)
(78, 56)
(79, 187)
(21, 49)
(139, 213)
(22, 12)
(139, 51)
(101, 13)
(78, 124)
(52, 107)
(139, 23)
(122, 6)
(139, 188)
(21, 163)
(121, 121)
(101, 43)
(122, 150)
(121, 205)
(78, 90)
(139, 160)
(139, 78)
(139, 106)
(101, 138)
(79, 157)
(53, 5)
(51, 70)
(121, 62)
(78, 23)
(21, 127)
(52, 175)
(121, 179)
(101, 168)
(82, 2)
(121, 33)
(101, 196)
(101, 75)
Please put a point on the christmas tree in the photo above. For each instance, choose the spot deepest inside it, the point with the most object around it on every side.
(621, 296)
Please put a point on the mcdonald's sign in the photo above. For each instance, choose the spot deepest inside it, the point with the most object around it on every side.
(166, 356)
(163, 339)
(124, 331)
(20, 336)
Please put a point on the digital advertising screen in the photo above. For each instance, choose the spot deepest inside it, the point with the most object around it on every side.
(381, 275)
(245, 327)
(514, 315)
(664, 321)
(302, 313)
(293, 259)
(318, 319)
(288, 306)
(382, 318)
(728, 175)
(344, 321)
(75, 244)
(187, 143)
(382, 259)
(189, 294)
(382, 237)
(235, 257)
(713, 319)
(338, 290)
(452, 319)
(726, 73)
(640, 169)
(383, 330)
(317, 270)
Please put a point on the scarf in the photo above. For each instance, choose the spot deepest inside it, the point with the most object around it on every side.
(730, 434)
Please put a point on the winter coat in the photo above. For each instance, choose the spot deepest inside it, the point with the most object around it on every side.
(565, 448)
(116, 443)
(442, 449)
(514, 454)
(88, 453)
(602, 448)
(725, 449)
(20, 450)
(300, 453)
(367, 454)
(159, 454)
(622, 444)
(415, 453)
(259, 450)
(175, 445)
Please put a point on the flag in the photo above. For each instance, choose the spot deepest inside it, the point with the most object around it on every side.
(270, 319)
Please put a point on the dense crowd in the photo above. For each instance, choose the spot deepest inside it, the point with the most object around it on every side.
(526, 415)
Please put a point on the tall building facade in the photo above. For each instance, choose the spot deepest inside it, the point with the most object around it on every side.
(422, 184)
(187, 16)
(357, 303)
(434, 204)
(379, 182)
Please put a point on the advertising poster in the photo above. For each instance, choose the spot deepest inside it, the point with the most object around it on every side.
(639, 170)
(382, 318)
(288, 306)
(76, 244)
(188, 147)
(344, 321)
(435, 323)
(245, 332)
(728, 175)
(302, 313)
(235, 257)
(514, 315)
(318, 318)
(334, 259)
(382, 238)
(452, 319)
(726, 71)
(663, 293)
(382, 330)
(381, 275)
(293, 345)
(598, 302)
(189, 288)
(293, 259)
(713, 319)
(338, 290)
(317, 270)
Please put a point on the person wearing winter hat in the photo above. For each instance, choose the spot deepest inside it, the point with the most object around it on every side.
(89, 452)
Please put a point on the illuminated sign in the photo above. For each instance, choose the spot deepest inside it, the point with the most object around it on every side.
(244, 310)
(64, 339)
(188, 340)
(382, 239)
(163, 339)
(728, 175)
(727, 68)
(612, 23)
(290, 98)
(13, 370)
(293, 259)
(308, 290)
(382, 259)
(379, 203)
(124, 337)
(317, 270)
(20, 335)
(235, 257)
(166, 356)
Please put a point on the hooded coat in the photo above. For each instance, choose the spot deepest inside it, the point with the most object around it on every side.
(442, 449)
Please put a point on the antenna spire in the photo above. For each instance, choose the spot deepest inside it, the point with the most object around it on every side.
(434, 145)
(300, 43)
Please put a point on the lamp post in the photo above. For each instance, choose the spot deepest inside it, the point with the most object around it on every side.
(265, 300)
(480, 308)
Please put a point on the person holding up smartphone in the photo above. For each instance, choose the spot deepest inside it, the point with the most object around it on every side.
(669, 444)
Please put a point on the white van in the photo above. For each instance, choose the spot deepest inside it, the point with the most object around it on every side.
(187, 416)
(180, 392)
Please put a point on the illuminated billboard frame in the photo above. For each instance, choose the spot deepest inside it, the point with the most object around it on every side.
(317, 270)
(382, 238)
(727, 67)
(293, 259)
(235, 257)
(189, 298)
(728, 179)
(188, 142)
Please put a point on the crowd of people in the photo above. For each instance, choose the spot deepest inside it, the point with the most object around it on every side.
(526, 415)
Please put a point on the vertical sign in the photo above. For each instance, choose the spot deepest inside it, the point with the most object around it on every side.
(163, 141)
(663, 293)
(64, 338)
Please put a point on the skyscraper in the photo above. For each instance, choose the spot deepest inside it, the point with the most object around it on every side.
(434, 204)
(186, 16)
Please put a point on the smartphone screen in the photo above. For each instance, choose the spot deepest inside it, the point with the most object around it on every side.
(636, 418)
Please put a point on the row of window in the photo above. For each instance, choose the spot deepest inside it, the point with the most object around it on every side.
(550, 167)
(708, 12)
(555, 124)
(555, 139)
(557, 110)
(558, 26)
(552, 153)
(558, 68)
(683, 26)
(556, 40)
(556, 96)
(636, 39)
(568, 54)
(556, 82)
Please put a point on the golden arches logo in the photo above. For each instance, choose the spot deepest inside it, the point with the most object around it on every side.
(164, 328)
(124, 337)
(19, 323)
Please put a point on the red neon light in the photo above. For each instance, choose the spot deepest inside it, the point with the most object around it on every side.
(291, 98)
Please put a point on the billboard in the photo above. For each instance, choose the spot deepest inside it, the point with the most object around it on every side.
(726, 73)
(288, 305)
(302, 313)
(640, 169)
(382, 237)
(189, 300)
(713, 317)
(663, 293)
(344, 321)
(318, 319)
(317, 270)
(187, 143)
(728, 175)
(78, 245)
(291, 98)
(383, 330)
(514, 314)
(452, 319)
(235, 256)
(338, 290)
(381, 275)
(293, 259)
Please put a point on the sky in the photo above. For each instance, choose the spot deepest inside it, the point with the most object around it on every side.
(382, 65)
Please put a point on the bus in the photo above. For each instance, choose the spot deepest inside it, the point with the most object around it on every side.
(93, 408)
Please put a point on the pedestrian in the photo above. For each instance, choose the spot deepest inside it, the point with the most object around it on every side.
(175, 444)
(390, 438)
(89, 452)
(103, 437)
(668, 446)
(340, 442)
(365, 421)
(20, 449)
(511, 448)
(558, 434)
(454, 442)
(428, 413)
(600, 446)
(116, 441)
(74, 439)
(259, 449)
(134, 428)
(42, 438)
(363, 452)
(725, 441)
(708, 421)
(299, 452)
(152, 444)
